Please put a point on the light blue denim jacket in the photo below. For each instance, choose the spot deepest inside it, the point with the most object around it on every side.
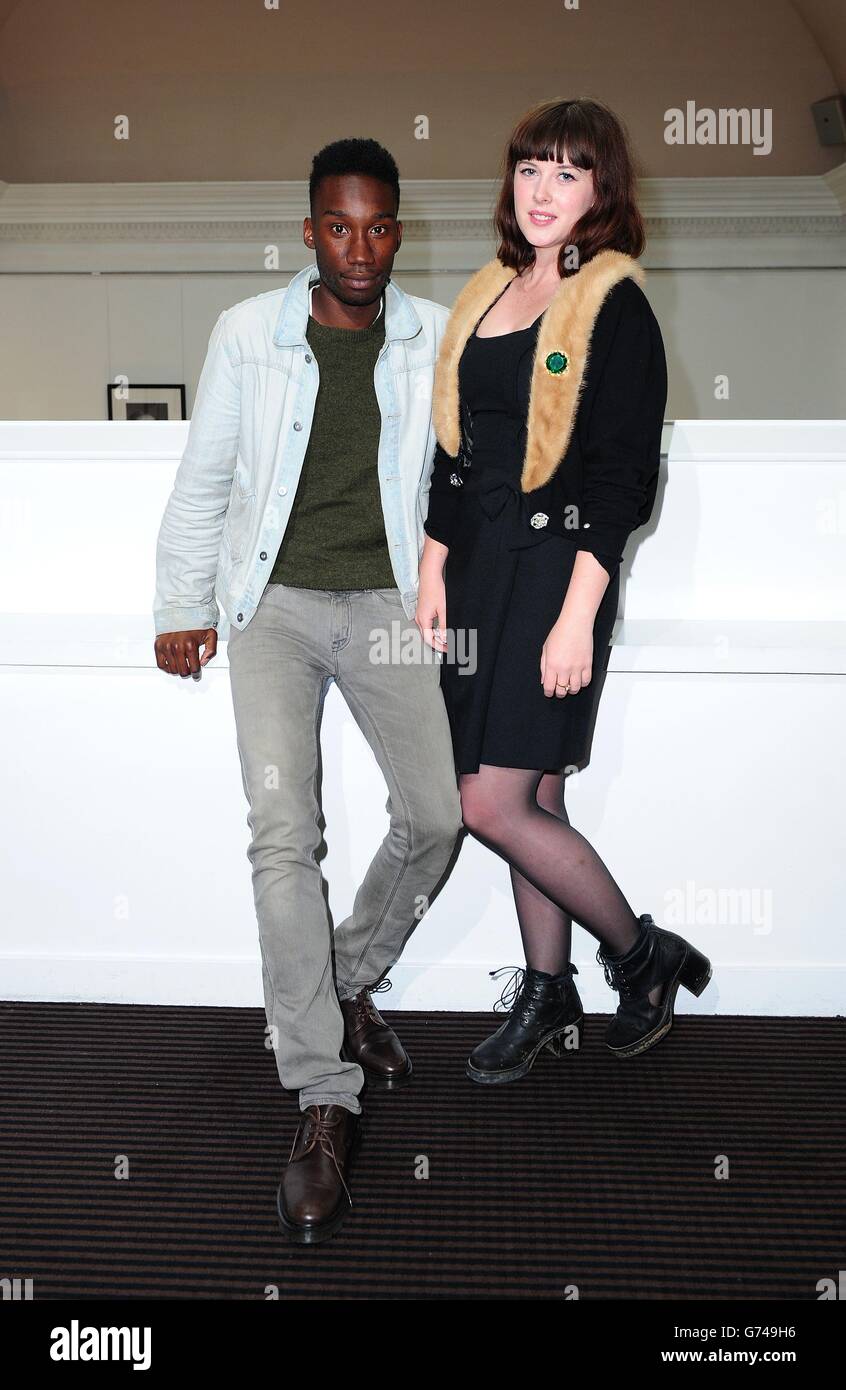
(249, 431)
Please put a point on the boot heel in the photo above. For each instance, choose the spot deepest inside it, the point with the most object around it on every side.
(569, 1040)
(696, 971)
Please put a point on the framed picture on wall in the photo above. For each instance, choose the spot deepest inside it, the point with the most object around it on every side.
(143, 401)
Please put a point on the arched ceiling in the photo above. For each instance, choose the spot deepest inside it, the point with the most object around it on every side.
(227, 89)
(825, 20)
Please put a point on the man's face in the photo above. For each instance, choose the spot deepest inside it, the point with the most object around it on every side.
(355, 235)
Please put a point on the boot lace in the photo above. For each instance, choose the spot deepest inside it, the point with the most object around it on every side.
(616, 974)
(365, 1009)
(615, 978)
(514, 987)
(319, 1132)
(511, 989)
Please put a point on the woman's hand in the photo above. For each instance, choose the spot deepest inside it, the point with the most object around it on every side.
(567, 657)
(430, 613)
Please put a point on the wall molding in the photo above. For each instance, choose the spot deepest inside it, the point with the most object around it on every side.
(225, 226)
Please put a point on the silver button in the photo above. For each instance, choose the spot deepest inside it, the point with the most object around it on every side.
(297, 425)
(308, 357)
(282, 490)
(539, 519)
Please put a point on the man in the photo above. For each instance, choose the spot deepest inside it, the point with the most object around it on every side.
(301, 498)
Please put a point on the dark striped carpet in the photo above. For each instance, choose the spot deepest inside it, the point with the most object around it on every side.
(591, 1174)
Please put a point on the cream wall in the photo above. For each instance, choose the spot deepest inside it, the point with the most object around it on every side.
(116, 255)
(779, 335)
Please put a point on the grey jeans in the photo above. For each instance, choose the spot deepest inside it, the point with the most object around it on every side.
(280, 666)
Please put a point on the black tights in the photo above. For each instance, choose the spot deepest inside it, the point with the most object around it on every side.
(556, 875)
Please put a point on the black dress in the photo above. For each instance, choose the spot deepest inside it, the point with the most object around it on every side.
(506, 596)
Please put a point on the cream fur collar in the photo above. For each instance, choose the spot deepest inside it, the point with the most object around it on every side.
(564, 333)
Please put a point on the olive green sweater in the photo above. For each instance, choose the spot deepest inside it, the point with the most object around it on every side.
(335, 537)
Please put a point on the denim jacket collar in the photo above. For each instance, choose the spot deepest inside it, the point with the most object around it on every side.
(401, 319)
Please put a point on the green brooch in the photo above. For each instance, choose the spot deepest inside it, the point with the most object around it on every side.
(556, 362)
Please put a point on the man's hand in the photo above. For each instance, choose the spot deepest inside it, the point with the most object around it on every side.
(178, 652)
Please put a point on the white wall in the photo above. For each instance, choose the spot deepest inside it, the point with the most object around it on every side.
(714, 792)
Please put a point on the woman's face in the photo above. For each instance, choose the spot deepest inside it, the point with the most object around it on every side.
(549, 199)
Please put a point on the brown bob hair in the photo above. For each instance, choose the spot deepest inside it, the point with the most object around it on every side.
(589, 136)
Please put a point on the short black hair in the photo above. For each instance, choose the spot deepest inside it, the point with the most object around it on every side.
(354, 157)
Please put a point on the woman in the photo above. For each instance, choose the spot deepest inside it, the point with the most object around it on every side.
(549, 398)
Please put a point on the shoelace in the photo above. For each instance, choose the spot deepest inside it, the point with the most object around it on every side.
(365, 1009)
(514, 986)
(320, 1134)
(511, 989)
(614, 977)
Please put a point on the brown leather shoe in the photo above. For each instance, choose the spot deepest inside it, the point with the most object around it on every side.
(369, 1041)
(313, 1195)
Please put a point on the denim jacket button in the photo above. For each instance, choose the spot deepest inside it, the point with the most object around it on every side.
(282, 490)
(298, 425)
(308, 357)
(263, 555)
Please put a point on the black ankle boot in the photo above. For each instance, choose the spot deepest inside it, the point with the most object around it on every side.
(658, 957)
(546, 1012)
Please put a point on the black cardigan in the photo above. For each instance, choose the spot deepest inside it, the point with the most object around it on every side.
(604, 487)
